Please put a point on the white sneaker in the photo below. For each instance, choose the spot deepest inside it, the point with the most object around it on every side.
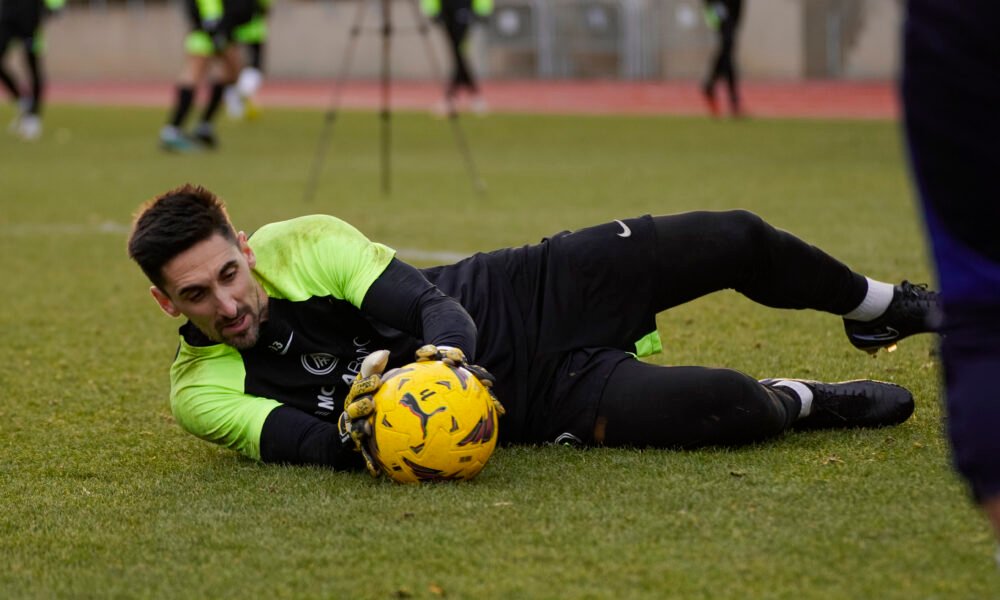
(249, 81)
(173, 140)
(30, 128)
(234, 103)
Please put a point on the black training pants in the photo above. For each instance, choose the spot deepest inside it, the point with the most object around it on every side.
(8, 33)
(456, 24)
(686, 406)
(724, 64)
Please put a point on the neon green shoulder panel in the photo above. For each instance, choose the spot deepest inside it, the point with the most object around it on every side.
(209, 10)
(317, 255)
(207, 399)
(430, 8)
(482, 8)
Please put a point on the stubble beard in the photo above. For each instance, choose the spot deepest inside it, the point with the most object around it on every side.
(247, 339)
(257, 315)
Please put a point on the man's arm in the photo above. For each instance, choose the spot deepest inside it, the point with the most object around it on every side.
(208, 400)
(264, 430)
(259, 428)
(293, 437)
(401, 297)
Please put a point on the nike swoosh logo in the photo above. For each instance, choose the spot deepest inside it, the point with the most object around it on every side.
(626, 232)
(888, 335)
(288, 344)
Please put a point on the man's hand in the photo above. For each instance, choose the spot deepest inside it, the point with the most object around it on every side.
(354, 423)
(456, 358)
(446, 354)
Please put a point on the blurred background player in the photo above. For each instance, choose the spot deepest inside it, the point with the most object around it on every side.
(22, 20)
(240, 98)
(723, 17)
(214, 23)
(456, 18)
(951, 95)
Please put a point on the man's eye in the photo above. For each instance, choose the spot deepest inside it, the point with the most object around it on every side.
(195, 296)
(229, 275)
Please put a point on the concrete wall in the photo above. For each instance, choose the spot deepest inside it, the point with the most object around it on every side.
(771, 42)
(876, 50)
(116, 43)
(780, 39)
(308, 39)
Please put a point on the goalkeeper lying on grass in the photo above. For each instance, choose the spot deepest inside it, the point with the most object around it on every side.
(278, 325)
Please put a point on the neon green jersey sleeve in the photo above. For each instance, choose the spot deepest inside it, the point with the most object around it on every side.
(209, 10)
(317, 255)
(482, 7)
(207, 399)
(430, 8)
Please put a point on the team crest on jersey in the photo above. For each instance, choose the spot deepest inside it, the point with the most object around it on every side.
(319, 363)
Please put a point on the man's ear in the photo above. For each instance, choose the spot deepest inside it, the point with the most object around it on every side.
(241, 240)
(166, 305)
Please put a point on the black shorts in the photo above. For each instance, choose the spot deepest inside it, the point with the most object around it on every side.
(555, 318)
(18, 30)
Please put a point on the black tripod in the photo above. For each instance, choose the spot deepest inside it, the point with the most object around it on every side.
(385, 110)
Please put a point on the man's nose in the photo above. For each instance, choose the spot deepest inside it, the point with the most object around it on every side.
(228, 306)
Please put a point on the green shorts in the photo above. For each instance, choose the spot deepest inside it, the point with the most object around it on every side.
(199, 43)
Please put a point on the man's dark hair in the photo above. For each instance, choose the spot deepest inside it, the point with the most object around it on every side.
(173, 222)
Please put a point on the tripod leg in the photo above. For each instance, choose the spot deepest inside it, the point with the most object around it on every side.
(456, 126)
(463, 147)
(326, 132)
(424, 29)
(385, 114)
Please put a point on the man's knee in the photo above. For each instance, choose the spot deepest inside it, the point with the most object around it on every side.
(744, 231)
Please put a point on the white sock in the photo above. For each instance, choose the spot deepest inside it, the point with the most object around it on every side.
(249, 81)
(876, 301)
(234, 102)
(802, 391)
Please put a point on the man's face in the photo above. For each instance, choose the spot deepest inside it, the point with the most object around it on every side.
(211, 284)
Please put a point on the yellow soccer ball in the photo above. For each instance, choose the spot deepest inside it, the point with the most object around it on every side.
(432, 422)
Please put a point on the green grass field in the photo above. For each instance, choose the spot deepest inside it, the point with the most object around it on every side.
(104, 496)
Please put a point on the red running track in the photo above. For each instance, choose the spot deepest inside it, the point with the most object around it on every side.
(813, 99)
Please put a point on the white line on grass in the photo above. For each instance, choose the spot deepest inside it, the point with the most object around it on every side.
(41, 229)
(111, 227)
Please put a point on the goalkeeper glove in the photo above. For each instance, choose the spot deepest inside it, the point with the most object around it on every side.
(354, 423)
(456, 358)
